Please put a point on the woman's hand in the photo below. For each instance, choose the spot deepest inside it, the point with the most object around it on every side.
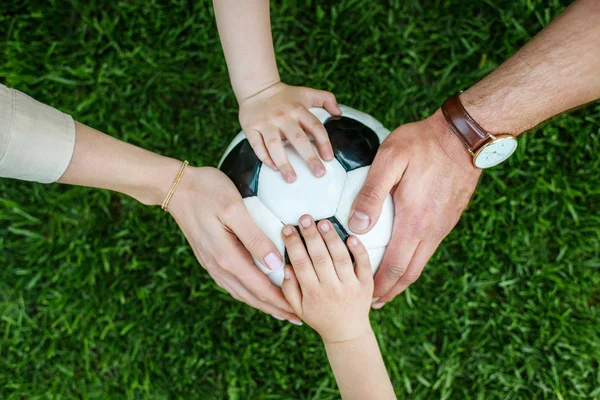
(324, 288)
(211, 214)
(281, 112)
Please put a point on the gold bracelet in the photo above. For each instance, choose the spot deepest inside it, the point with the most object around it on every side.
(165, 203)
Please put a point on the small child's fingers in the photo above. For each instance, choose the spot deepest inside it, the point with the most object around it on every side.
(317, 250)
(274, 144)
(291, 290)
(338, 251)
(326, 100)
(312, 125)
(258, 145)
(361, 259)
(303, 267)
(297, 138)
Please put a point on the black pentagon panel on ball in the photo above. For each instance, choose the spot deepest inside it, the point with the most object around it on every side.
(339, 228)
(354, 144)
(243, 167)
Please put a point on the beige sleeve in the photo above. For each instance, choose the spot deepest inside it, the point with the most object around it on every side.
(36, 140)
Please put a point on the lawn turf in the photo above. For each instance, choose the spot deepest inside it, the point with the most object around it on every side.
(101, 297)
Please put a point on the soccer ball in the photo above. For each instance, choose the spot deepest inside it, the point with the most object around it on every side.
(272, 202)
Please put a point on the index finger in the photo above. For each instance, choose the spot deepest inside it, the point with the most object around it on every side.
(252, 278)
(238, 219)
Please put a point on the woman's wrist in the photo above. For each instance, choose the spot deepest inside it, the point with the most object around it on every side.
(102, 161)
(151, 187)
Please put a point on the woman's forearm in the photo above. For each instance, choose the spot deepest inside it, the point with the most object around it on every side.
(102, 161)
(359, 369)
(245, 31)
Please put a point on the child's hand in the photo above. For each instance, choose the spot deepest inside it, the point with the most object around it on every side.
(324, 288)
(281, 112)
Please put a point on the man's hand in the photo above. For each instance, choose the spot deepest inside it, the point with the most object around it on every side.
(211, 214)
(432, 177)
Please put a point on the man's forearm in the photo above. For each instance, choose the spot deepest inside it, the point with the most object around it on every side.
(245, 31)
(359, 369)
(556, 71)
(102, 161)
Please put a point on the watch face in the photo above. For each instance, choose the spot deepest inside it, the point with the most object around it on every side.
(495, 152)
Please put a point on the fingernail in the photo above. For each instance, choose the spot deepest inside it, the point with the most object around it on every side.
(277, 317)
(273, 261)
(359, 221)
(325, 227)
(377, 306)
(374, 300)
(328, 155)
(319, 171)
(290, 177)
(295, 322)
(352, 241)
(288, 230)
(305, 222)
(287, 274)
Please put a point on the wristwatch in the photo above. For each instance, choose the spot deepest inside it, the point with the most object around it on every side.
(487, 150)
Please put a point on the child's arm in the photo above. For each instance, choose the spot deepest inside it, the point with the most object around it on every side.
(333, 296)
(269, 109)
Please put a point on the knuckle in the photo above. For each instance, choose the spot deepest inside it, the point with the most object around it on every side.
(300, 136)
(222, 261)
(256, 143)
(262, 298)
(313, 161)
(370, 195)
(273, 141)
(387, 152)
(255, 243)
(231, 211)
(318, 128)
(395, 271)
(320, 259)
(303, 264)
(341, 261)
(411, 277)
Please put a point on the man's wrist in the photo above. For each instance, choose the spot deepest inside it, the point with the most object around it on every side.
(449, 143)
(494, 111)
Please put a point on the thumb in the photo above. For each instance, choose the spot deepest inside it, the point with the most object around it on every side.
(324, 99)
(385, 172)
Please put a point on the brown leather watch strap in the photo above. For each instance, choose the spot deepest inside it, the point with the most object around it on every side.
(463, 125)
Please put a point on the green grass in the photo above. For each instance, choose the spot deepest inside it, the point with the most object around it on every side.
(100, 297)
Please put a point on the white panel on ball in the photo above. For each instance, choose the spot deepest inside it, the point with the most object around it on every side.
(360, 116)
(382, 133)
(267, 223)
(276, 277)
(381, 233)
(376, 256)
(318, 197)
